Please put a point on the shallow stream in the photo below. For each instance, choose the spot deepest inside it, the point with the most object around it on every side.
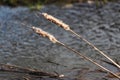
(19, 45)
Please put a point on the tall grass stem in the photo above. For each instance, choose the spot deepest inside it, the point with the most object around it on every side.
(67, 27)
(54, 40)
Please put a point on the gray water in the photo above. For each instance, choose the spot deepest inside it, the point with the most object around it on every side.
(19, 45)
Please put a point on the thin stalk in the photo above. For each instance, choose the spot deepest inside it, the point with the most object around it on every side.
(67, 28)
(54, 40)
(101, 52)
(88, 59)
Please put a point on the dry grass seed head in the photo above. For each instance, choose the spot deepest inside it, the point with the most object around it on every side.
(56, 21)
(45, 34)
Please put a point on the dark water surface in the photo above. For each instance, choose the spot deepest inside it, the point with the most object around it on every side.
(19, 45)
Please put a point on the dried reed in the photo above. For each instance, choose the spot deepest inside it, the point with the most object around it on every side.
(54, 40)
(67, 27)
(45, 34)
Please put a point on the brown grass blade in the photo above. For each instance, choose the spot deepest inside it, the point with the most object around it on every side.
(17, 69)
(111, 76)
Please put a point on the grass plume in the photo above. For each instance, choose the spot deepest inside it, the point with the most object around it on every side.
(45, 34)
